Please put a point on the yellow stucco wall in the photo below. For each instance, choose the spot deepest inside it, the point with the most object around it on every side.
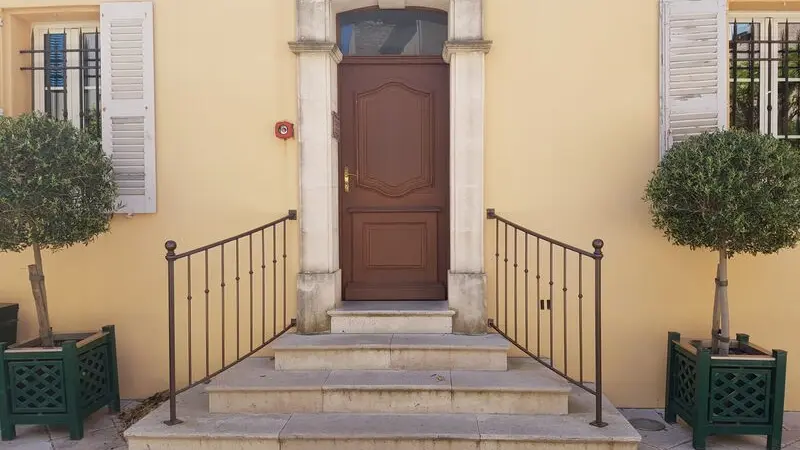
(571, 139)
(572, 136)
(220, 88)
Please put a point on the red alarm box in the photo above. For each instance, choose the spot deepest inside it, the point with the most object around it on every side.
(284, 130)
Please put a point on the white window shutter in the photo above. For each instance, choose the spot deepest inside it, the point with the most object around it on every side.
(128, 101)
(694, 66)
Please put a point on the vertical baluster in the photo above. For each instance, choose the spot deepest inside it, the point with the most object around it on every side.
(250, 272)
(189, 311)
(516, 314)
(274, 283)
(222, 287)
(497, 270)
(538, 297)
(206, 291)
(173, 414)
(526, 291)
(580, 315)
(238, 312)
(505, 274)
(284, 274)
(564, 289)
(598, 334)
(263, 289)
(550, 307)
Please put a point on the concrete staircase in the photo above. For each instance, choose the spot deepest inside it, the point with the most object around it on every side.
(415, 387)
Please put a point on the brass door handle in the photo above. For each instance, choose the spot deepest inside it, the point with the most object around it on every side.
(347, 175)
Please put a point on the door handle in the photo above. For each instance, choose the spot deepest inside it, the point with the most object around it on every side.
(347, 175)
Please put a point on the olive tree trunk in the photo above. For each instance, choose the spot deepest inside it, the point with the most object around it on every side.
(715, 318)
(36, 276)
(720, 338)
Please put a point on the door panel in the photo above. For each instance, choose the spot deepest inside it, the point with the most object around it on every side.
(394, 140)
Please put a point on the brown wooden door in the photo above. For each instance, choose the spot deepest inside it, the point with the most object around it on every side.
(394, 114)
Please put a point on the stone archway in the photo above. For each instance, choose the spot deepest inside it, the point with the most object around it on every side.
(319, 280)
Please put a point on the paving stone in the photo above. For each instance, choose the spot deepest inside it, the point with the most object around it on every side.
(29, 437)
(107, 439)
(100, 420)
(672, 435)
(679, 436)
(729, 443)
(791, 420)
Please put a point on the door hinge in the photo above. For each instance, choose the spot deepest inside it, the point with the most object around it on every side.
(545, 304)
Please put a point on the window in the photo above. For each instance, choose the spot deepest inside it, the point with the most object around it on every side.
(65, 64)
(764, 75)
(407, 32)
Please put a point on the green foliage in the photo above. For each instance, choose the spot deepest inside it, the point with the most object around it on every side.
(94, 125)
(734, 190)
(56, 185)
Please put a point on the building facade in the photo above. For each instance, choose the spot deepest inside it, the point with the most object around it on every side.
(410, 118)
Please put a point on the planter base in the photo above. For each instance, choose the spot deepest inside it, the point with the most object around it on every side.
(738, 394)
(58, 385)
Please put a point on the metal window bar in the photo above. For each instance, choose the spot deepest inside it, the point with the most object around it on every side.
(554, 263)
(55, 63)
(764, 70)
(211, 315)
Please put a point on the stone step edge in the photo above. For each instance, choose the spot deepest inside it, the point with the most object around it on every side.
(392, 313)
(176, 432)
(565, 390)
(306, 348)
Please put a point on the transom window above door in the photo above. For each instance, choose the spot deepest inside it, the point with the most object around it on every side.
(403, 32)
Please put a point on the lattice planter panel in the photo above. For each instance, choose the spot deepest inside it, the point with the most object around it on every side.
(58, 385)
(742, 393)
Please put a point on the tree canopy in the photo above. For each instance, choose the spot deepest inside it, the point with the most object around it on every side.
(56, 184)
(734, 190)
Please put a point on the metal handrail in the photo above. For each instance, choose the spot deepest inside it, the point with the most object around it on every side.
(511, 329)
(276, 330)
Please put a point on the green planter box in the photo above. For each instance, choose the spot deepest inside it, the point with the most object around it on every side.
(8, 322)
(58, 385)
(741, 393)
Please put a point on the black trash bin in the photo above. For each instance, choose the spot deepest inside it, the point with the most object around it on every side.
(8, 322)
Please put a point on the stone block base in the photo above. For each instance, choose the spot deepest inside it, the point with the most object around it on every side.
(466, 295)
(317, 293)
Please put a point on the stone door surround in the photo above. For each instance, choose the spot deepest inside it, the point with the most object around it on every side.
(319, 281)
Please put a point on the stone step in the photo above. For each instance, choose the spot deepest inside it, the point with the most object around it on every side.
(311, 431)
(390, 351)
(254, 386)
(392, 317)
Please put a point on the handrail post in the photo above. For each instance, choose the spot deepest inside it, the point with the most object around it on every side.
(171, 246)
(598, 363)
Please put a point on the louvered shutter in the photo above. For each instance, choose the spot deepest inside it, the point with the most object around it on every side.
(127, 78)
(694, 64)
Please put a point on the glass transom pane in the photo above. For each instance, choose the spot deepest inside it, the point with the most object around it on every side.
(407, 32)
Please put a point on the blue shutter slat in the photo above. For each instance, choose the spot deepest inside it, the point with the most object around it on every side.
(56, 59)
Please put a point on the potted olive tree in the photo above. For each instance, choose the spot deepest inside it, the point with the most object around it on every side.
(56, 190)
(730, 192)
